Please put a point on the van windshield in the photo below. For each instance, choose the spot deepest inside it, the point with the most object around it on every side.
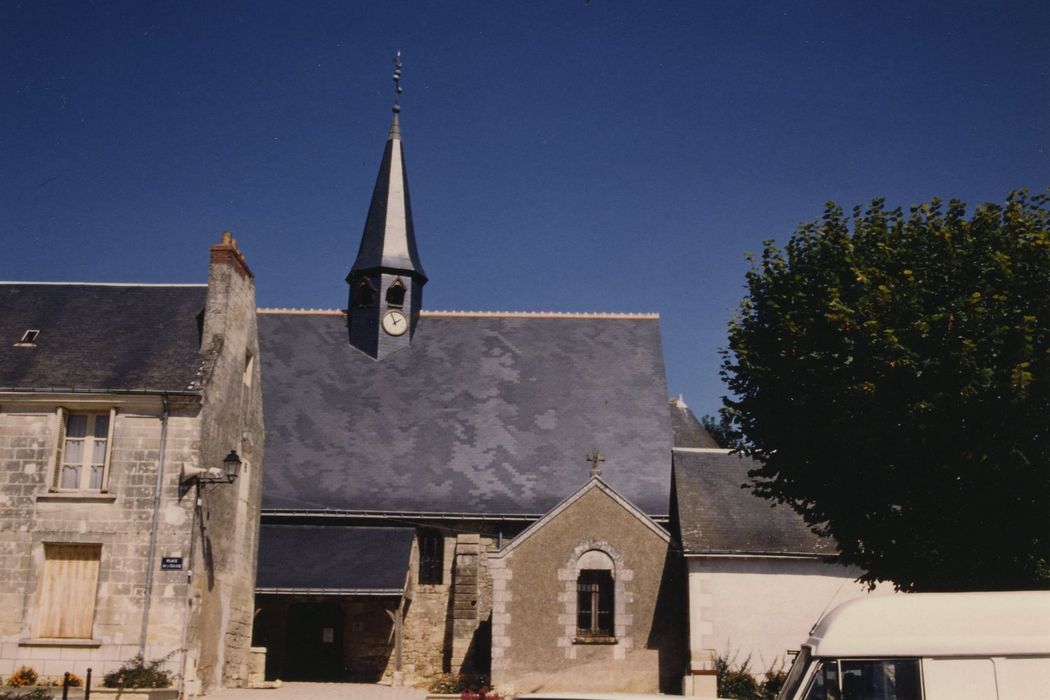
(795, 675)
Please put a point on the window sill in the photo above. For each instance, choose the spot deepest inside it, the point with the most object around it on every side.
(594, 640)
(89, 643)
(76, 497)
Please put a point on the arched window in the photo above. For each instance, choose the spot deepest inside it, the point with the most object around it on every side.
(364, 295)
(395, 295)
(595, 597)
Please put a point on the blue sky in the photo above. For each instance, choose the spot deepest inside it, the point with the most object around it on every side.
(564, 156)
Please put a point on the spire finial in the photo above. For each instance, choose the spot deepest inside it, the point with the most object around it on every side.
(397, 80)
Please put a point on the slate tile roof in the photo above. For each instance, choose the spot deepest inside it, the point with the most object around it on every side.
(687, 430)
(717, 516)
(485, 414)
(330, 558)
(98, 338)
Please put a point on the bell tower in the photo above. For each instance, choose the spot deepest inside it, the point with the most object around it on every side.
(386, 280)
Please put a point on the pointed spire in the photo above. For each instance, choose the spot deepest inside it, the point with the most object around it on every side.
(389, 239)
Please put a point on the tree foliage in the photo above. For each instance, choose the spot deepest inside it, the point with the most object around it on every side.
(719, 430)
(891, 375)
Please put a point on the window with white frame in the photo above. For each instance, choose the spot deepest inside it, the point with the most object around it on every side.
(68, 588)
(84, 443)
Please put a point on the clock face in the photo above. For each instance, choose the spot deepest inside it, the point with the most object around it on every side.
(395, 323)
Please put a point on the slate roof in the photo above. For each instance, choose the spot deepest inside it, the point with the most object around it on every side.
(100, 338)
(483, 414)
(389, 238)
(687, 430)
(333, 559)
(717, 516)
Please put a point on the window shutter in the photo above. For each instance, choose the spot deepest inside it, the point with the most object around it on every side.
(68, 588)
(109, 449)
(60, 438)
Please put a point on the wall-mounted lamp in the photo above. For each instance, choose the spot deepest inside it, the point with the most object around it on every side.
(231, 467)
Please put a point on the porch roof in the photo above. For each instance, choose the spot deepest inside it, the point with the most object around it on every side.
(333, 560)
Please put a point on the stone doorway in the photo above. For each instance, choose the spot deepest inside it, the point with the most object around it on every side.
(327, 638)
(314, 642)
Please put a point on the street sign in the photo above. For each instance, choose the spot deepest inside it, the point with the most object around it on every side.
(171, 563)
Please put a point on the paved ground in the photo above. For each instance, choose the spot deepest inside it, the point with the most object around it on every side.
(321, 691)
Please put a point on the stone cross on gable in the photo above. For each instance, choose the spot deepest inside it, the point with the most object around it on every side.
(595, 458)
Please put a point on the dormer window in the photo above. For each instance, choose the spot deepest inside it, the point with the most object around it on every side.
(364, 295)
(28, 339)
(395, 295)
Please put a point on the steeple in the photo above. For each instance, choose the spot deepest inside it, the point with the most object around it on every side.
(386, 280)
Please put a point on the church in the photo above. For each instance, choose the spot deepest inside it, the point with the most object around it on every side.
(507, 494)
(416, 457)
(494, 493)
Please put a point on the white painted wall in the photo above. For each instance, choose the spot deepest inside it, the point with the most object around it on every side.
(762, 606)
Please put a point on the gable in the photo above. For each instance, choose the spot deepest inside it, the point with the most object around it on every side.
(592, 513)
(488, 414)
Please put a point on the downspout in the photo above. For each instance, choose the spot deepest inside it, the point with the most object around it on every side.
(154, 526)
(197, 504)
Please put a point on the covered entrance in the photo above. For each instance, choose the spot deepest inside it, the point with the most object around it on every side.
(330, 601)
(313, 641)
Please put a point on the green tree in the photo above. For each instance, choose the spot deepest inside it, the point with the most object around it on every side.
(890, 373)
(719, 430)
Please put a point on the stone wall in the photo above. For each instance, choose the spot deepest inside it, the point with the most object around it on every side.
(145, 502)
(120, 520)
(534, 642)
(426, 628)
(223, 599)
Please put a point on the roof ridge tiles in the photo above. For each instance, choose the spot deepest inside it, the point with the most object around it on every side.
(296, 311)
(293, 311)
(106, 284)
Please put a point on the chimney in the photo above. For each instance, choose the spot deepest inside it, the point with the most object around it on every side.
(225, 253)
(230, 305)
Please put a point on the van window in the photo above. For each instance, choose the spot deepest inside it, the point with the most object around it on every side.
(866, 679)
(825, 685)
(880, 679)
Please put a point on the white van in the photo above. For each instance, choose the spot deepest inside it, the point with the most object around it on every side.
(928, 646)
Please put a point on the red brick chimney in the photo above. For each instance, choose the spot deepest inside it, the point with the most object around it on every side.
(225, 253)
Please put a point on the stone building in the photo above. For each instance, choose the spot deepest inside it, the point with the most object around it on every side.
(118, 405)
(589, 597)
(406, 447)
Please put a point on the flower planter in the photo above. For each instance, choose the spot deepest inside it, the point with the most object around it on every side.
(130, 693)
(100, 693)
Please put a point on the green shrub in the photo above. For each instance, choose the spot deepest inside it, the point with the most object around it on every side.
(34, 694)
(736, 680)
(137, 673)
(775, 678)
(452, 683)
